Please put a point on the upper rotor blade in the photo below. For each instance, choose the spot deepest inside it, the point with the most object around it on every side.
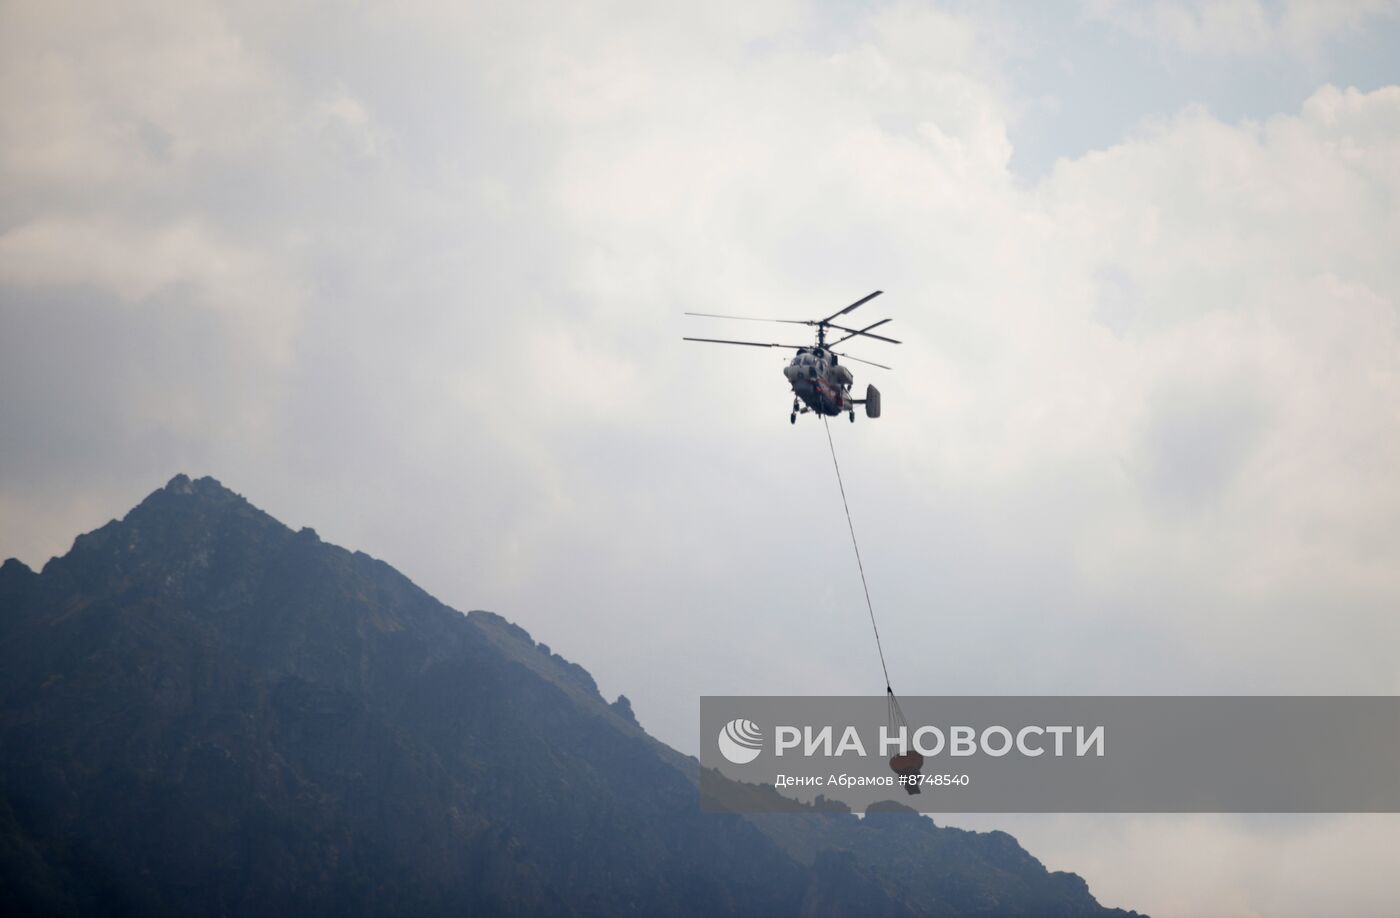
(859, 302)
(864, 332)
(747, 343)
(715, 315)
(859, 360)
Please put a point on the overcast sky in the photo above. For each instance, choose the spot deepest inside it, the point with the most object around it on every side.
(414, 275)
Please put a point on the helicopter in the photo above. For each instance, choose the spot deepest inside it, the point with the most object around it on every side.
(820, 384)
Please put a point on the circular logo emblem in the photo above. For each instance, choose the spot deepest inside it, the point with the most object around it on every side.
(740, 741)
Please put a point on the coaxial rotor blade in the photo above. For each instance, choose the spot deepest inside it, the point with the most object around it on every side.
(860, 360)
(746, 343)
(865, 332)
(715, 315)
(863, 300)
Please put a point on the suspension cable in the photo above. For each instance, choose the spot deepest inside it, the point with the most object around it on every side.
(861, 567)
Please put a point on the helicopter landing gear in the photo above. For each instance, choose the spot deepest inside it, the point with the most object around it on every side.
(853, 415)
(792, 418)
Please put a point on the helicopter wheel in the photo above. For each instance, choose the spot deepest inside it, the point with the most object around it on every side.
(792, 418)
(853, 415)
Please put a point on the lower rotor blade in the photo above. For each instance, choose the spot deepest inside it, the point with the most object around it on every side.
(859, 360)
(715, 315)
(746, 343)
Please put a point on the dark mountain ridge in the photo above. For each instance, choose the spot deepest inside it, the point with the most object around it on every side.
(204, 711)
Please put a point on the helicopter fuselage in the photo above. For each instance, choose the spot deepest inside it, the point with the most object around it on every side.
(820, 382)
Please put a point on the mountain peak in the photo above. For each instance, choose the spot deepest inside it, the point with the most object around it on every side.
(173, 525)
(206, 487)
(14, 567)
(180, 484)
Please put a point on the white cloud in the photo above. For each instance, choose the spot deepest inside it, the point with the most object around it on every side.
(137, 262)
(1243, 27)
(432, 262)
(1255, 259)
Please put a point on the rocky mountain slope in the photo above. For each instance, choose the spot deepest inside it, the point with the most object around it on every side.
(202, 711)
